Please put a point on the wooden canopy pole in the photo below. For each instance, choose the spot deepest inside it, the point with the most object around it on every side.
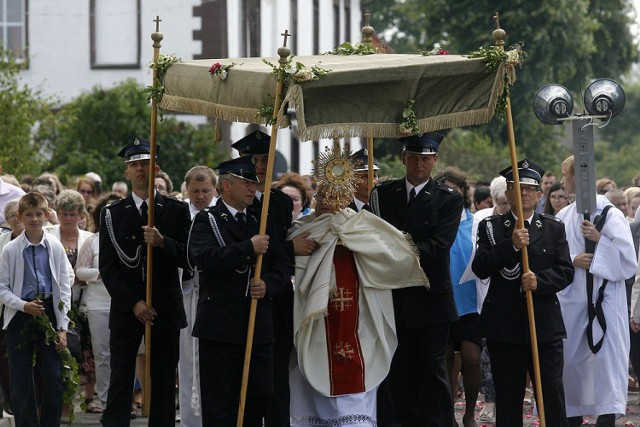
(157, 37)
(284, 53)
(499, 35)
(367, 33)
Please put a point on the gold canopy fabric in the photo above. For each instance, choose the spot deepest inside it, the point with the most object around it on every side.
(360, 96)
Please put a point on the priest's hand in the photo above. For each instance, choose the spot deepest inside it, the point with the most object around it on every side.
(529, 281)
(303, 246)
(257, 288)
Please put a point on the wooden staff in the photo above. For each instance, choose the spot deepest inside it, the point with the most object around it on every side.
(370, 161)
(499, 35)
(157, 37)
(367, 38)
(284, 53)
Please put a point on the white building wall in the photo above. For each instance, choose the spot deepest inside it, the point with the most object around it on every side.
(59, 44)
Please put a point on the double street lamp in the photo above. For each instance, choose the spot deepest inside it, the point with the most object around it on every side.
(603, 99)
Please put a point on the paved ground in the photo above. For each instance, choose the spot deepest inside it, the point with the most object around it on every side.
(631, 419)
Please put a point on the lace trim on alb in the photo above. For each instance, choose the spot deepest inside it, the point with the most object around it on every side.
(345, 420)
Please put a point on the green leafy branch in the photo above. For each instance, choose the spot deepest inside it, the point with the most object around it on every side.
(288, 73)
(409, 123)
(296, 72)
(347, 48)
(493, 57)
(156, 91)
(265, 111)
(69, 369)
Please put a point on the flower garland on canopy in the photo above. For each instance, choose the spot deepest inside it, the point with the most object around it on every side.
(493, 57)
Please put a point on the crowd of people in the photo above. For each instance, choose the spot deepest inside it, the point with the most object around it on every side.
(372, 306)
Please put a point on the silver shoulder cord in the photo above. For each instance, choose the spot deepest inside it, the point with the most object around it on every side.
(126, 260)
(374, 203)
(191, 267)
(508, 274)
(220, 240)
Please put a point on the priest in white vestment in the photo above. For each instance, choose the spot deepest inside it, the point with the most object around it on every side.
(344, 328)
(596, 384)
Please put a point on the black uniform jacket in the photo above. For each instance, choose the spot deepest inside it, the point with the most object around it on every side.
(504, 312)
(126, 282)
(224, 305)
(432, 220)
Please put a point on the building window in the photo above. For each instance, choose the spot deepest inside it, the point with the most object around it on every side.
(114, 32)
(13, 27)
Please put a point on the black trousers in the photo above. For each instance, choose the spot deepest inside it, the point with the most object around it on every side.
(416, 392)
(220, 382)
(282, 308)
(164, 361)
(510, 364)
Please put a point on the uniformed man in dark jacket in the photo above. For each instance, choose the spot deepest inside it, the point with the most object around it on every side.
(256, 145)
(504, 321)
(418, 384)
(123, 246)
(361, 195)
(224, 243)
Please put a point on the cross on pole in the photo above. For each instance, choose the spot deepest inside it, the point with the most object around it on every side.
(496, 18)
(367, 16)
(157, 21)
(286, 34)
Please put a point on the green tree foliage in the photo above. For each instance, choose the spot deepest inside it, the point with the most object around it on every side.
(96, 125)
(618, 143)
(22, 109)
(568, 42)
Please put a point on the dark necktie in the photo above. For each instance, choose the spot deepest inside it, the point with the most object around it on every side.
(526, 223)
(242, 222)
(412, 195)
(144, 212)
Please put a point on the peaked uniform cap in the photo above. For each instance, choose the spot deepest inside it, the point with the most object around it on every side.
(138, 149)
(361, 158)
(427, 143)
(528, 172)
(241, 167)
(256, 142)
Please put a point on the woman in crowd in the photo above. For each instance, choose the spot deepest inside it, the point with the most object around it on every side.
(87, 188)
(97, 301)
(462, 338)
(556, 200)
(163, 183)
(10, 213)
(292, 185)
(633, 201)
(70, 207)
(482, 198)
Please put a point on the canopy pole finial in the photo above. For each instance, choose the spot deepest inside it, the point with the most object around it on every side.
(499, 35)
(284, 51)
(367, 30)
(157, 36)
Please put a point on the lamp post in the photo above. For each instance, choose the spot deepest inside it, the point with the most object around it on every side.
(603, 100)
